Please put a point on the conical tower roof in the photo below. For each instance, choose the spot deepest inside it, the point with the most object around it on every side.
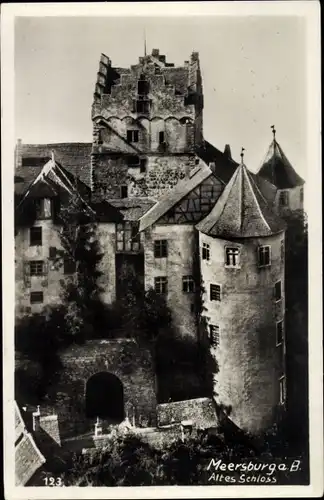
(241, 211)
(277, 169)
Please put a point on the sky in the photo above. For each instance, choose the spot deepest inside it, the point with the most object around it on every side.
(253, 69)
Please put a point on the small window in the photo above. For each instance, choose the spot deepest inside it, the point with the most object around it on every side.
(283, 199)
(282, 250)
(282, 390)
(232, 256)
(132, 135)
(36, 297)
(161, 284)
(215, 292)
(205, 251)
(123, 191)
(301, 195)
(43, 208)
(143, 165)
(133, 161)
(214, 335)
(69, 265)
(160, 249)
(280, 332)
(264, 256)
(36, 268)
(192, 308)
(142, 86)
(278, 291)
(142, 106)
(35, 236)
(52, 252)
(161, 137)
(188, 284)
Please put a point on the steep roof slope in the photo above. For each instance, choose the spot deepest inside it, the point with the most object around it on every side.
(277, 169)
(241, 211)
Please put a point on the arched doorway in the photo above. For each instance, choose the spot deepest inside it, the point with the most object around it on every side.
(105, 397)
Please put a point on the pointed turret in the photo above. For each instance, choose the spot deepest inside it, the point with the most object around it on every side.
(241, 211)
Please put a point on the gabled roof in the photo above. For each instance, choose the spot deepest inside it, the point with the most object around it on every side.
(277, 169)
(180, 190)
(241, 211)
(76, 158)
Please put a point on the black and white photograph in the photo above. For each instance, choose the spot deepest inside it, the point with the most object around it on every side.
(162, 260)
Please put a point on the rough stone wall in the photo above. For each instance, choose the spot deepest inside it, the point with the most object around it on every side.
(295, 201)
(162, 173)
(201, 412)
(106, 234)
(179, 262)
(131, 363)
(49, 284)
(250, 364)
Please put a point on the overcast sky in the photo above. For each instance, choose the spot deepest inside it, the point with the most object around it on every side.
(253, 72)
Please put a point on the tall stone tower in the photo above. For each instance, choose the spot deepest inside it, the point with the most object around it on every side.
(242, 268)
(277, 169)
(147, 124)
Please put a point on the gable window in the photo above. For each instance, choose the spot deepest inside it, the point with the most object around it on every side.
(278, 291)
(128, 237)
(36, 297)
(283, 199)
(69, 265)
(43, 207)
(123, 191)
(232, 256)
(160, 249)
(215, 292)
(214, 335)
(142, 106)
(161, 284)
(264, 256)
(279, 333)
(205, 251)
(35, 236)
(188, 284)
(143, 165)
(161, 137)
(36, 268)
(142, 86)
(282, 390)
(132, 135)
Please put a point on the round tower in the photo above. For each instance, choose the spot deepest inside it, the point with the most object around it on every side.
(242, 269)
(277, 169)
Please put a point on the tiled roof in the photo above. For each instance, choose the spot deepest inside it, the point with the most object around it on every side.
(132, 209)
(277, 169)
(74, 156)
(241, 211)
(180, 190)
(19, 423)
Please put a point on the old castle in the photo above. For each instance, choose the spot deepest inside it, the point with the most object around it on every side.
(166, 199)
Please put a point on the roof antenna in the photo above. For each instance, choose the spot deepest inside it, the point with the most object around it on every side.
(274, 132)
(242, 155)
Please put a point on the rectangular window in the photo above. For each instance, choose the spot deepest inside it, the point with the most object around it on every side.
(214, 335)
(282, 390)
(278, 291)
(123, 191)
(36, 268)
(264, 256)
(160, 249)
(283, 199)
(280, 332)
(161, 284)
(142, 87)
(188, 284)
(127, 237)
(133, 161)
(142, 106)
(143, 165)
(132, 135)
(215, 292)
(36, 297)
(205, 251)
(43, 208)
(301, 194)
(52, 252)
(232, 256)
(161, 137)
(69, 265)
(35, 236)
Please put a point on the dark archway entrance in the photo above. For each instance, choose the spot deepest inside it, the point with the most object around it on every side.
(105, 397)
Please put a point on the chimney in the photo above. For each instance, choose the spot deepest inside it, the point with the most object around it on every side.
(36, 419)
(155, 52)
(227, 151)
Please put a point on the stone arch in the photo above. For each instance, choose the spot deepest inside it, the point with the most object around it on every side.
(104, 397)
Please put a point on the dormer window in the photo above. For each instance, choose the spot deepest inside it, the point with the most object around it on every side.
(283, 199)
(43, 208)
